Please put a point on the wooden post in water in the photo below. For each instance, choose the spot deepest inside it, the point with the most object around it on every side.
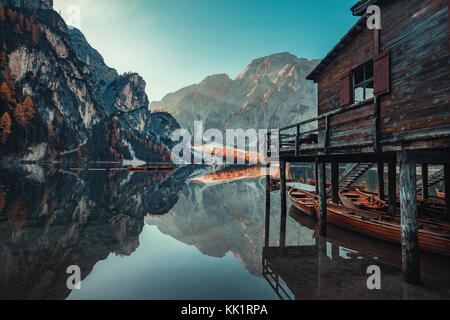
(425, 181)
(322, 183)
(335, 182)
(409, 222)
(283, 204)
(316, 178)
(380, 171)
(268, 190)
(392, 186)
(447, 187)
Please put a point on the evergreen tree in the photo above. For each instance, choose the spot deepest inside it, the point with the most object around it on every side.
(2, 12)
(5, 127)
(24, 112)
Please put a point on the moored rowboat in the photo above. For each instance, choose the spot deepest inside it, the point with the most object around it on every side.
(303, 201)
(431, 237)
(440, 194)
(356, 199)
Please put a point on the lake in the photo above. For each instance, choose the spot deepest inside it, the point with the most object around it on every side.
(194, 233)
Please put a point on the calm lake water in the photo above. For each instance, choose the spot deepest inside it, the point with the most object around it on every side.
(195, 233)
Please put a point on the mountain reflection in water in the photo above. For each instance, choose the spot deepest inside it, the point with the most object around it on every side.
(195, 233)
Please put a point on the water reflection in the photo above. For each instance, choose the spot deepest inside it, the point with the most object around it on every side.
(336, 267)
(194, 233)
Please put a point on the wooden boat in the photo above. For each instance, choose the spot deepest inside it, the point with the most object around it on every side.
(356, 199)
(313, 183)
(303, 201)
(440, 194)
(432, 237)
(138, 169)
(430, 211)
(275, 183)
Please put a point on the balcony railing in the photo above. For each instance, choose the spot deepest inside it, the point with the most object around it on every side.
(313, 136)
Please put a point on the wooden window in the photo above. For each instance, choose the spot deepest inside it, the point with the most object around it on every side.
(381, 66)
(363, 82)
(345, 91)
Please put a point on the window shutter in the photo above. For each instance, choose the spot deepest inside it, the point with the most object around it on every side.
(345, 91)
(381, 70)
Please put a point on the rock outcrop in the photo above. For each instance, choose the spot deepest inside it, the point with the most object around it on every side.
(59, 93)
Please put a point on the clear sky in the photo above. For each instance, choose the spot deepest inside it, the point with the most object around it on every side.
(175, 43)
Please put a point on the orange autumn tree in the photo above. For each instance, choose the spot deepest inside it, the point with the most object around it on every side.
(2, 12)
(24, 112)
(5, 127)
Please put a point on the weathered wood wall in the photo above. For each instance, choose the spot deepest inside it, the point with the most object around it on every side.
(417, 33)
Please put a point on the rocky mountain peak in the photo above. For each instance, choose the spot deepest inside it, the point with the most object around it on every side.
(126, 93)
(29, 4)
(216, 84)
(269, 66)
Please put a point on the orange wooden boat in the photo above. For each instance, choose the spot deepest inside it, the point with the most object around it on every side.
(432, 238)
(440, 194)
(275, 183)
(303, 201)
(356, 199)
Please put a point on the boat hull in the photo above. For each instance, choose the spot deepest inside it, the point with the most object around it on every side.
(303, 201)
(339, 216)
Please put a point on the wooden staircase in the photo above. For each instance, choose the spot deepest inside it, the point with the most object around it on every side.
(353, 174)
(432, 180)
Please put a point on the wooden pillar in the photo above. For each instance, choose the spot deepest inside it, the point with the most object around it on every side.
(380, 171)
(283, 204)
(425, 181)
(335, 182)
(392, 186)
(409, 222)
(447, 187)
(268, 191)
(316, 178)
(322, 183)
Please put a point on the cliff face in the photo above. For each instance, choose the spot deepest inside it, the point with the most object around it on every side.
(270, 93)
(59, 97)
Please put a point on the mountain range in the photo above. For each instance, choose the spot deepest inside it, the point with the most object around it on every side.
(270, 93)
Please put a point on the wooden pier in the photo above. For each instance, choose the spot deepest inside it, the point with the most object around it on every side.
(383, 101)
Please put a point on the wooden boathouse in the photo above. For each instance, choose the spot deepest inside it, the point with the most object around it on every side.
(383, 100)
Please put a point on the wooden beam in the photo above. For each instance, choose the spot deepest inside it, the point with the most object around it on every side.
(322, 183)
(380, 172)
(268, 191)
(335, 182)
(409, 222)
(316, 178)
(425, 181)
(447, 187)
(283, 204)
(392, 186)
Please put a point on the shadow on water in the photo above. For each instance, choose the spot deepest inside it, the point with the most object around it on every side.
(336, 267)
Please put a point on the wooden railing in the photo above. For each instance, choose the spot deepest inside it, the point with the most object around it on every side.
(307, 140)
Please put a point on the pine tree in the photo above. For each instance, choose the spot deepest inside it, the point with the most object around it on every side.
(12, 15)
(18, 29)
(27, 25)
(34, 34)
(3, 58)
(24, 112)
(5, 127)
(2, 12)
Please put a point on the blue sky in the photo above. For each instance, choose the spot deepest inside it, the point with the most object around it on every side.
(175, 43)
